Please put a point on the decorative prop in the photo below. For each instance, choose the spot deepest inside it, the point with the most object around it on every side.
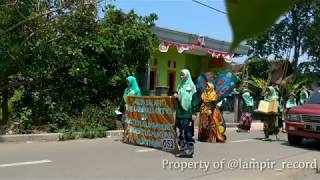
(200, 41)
(225, 83)
(165, 45)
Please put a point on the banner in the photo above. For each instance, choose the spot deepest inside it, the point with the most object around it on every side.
(150, 122)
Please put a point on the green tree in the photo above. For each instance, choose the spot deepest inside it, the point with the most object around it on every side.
(66, 58)
(287, 35)
(13, 33)
(258, 68)
(312, 40)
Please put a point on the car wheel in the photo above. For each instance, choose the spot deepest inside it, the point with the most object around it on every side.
(295, 140)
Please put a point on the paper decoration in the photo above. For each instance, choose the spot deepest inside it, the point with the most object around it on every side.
(165, 45)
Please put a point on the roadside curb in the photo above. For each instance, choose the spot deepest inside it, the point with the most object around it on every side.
(30, 137)
(254, 126)
(111, 133)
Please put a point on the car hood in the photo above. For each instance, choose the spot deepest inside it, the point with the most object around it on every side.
(307, 109)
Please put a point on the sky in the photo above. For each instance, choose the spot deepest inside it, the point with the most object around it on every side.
(186, 16)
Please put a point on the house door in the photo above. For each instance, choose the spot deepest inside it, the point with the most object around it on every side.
(171, 81)
(153, 79)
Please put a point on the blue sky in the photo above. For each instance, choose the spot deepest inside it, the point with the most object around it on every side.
(186, 16)
(183, 15)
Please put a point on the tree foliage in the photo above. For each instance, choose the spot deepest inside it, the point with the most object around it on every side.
(258, 68)
(312, 40)
(66, 58)
(289, 36)
(258, 85)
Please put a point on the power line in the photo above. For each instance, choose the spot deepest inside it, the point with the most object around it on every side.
(209, 7)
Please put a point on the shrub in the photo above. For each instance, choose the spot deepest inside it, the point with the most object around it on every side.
(100, 132)
(88, 133)
(102, 116)
(68, 135)
(22, 120)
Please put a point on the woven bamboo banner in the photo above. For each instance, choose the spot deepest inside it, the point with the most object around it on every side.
(150, 122)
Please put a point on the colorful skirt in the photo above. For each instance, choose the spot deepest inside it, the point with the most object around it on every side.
(212, 127)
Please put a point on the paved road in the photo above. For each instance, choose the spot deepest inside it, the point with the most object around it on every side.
(108, 158)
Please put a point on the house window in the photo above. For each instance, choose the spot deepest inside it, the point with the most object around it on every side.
(169, 64)
(174, 64)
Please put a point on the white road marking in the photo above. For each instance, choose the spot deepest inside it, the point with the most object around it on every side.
(145, 150)
(25, 163)
(244, 140)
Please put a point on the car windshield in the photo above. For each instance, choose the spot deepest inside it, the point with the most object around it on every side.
(314, 98)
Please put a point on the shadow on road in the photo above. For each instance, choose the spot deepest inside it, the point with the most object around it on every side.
(270, 140)
(309, 144)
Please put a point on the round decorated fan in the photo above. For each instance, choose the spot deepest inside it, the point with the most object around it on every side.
(225, 83)
(203, 79)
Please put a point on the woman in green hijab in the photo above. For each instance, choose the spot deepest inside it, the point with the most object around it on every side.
(131, 90)
(303, 96)
(248, 100)
(271, 94)
(184, 122)
(270, 126)
(292, 101)
(246, 116)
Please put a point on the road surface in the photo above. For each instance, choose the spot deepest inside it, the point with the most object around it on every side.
(244, 156)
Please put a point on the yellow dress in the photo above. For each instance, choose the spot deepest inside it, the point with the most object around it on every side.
(210, 125)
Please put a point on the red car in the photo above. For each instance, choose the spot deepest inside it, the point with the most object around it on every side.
(304, 121)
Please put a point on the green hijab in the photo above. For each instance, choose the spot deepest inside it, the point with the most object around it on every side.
(291, 102)
(248, 99)
(304, 96)
(186, 89)
(133, 89)
(271, 95)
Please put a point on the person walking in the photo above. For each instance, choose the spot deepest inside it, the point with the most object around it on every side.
(212, 125)
(246, 116)
(131, 90)
(184, 123)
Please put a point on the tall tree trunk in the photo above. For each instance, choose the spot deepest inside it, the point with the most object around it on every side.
(296, 37)
(296, 55)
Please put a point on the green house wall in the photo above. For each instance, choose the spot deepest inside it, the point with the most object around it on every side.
(163, 68)
(196, 64)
